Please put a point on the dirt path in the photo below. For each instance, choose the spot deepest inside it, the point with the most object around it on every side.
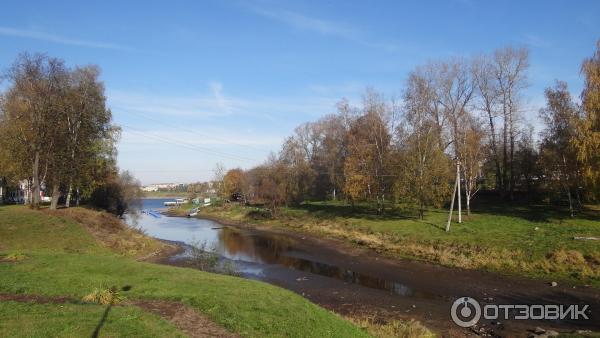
(192, 323)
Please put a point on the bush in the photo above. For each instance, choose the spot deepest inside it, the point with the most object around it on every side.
(118, 195)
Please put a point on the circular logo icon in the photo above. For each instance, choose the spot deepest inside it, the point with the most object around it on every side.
(465, 311)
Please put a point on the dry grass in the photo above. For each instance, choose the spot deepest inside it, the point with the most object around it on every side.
(104, 296)
(15, 257)
(114, 234)
(394, 328)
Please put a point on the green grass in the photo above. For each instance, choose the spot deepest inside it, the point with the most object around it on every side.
(534, 240)
(62, 259)
(79, 320)
(23, 229)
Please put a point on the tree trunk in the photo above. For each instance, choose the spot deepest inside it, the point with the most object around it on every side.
(512, 169)
(69, 193)
(468, 198)
(504, 155)
(495, 152)
(578, 195)
(55, 196)
(35, 199)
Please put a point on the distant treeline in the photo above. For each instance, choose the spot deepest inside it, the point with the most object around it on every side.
(56, 134)
(462, 115)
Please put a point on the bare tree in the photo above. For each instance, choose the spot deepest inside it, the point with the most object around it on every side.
(489, 97)
(510, 66)
(218, 179)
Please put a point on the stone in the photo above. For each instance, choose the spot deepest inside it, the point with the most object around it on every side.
(553, 284)
(539, 330)
(551, 333)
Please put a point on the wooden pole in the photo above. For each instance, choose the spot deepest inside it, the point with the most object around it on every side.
(458, 191)
(451, 207)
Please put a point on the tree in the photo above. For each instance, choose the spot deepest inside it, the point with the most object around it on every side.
(31, 106)
(587, 143)
(559, 156)
(119, 194)
(488, 97)
(472, 156)
(218, 180)
(294, 163)
(86, 123)
(234, 184)
(527, 159)
(423, 167)
(510, 66)
(367, 165)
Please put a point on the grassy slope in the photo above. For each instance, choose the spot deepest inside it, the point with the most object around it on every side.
(495, 238)
(62, 259)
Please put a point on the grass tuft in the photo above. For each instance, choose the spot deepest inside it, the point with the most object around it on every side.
(104, 296)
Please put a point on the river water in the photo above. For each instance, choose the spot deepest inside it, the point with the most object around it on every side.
(257, 255)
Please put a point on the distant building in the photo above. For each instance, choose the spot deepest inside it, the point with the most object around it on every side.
(21, 193)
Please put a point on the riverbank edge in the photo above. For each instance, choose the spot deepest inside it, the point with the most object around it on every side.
(348, 244)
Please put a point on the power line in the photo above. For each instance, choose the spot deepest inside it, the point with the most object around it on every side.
(147, 117)
(187, 145)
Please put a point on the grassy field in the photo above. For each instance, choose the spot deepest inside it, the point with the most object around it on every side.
(51, 254)
(534, 240)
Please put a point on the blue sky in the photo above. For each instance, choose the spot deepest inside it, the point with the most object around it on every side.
(193, 83)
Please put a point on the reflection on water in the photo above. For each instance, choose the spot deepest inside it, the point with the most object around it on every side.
(253, 251)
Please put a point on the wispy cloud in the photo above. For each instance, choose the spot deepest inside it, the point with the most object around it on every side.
(49, 37)
(304, 22)
(535, 40)
(212, 105)
(216, 104)
(324, 27)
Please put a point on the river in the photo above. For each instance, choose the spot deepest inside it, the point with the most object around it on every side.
(357, 281)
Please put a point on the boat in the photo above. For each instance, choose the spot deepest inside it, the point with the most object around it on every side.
(193, 212)
(154, 213)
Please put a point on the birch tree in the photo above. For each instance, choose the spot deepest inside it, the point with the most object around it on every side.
(588, 129)
(510, 66)
(558, 153)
